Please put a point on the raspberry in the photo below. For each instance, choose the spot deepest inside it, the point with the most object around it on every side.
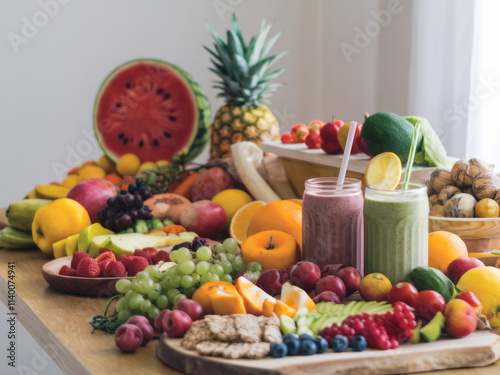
(103, 250)
(88, 267)
(142, 253)
(77, 257)
(106, 255)
(114, 269)
(121, 258)
(160, 256)
(67, 271)
(135, 264)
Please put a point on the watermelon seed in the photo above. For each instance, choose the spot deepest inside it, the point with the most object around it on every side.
(159, 91)
(141, 143)
(156, 143)
(171, 110)
(121, 135)
(166, 96)
(167, 135)
(125, 141)
(173, 118)
(118, 104)
(128, 85)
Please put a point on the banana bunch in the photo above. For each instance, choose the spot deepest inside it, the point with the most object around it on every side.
(20, 216)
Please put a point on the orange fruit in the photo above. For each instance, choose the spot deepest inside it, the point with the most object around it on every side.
(128, 165)
(444, 247)
(375, 287)
(241, 219)
(281, 308)
(296, 297)
(268, 308)
(202, 294)
(282, 215)
(297, 201)
(282, 252)
(224, 303)
(252, 295)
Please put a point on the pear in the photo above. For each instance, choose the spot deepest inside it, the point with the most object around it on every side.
(59, 248)
(87, 233)
(71, 244)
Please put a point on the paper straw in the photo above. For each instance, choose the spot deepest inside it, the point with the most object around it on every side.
(411, 157)
(347, 152)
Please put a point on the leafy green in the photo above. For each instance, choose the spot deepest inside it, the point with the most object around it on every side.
(433, 153)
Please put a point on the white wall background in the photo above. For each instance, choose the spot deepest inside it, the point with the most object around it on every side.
(47, 88)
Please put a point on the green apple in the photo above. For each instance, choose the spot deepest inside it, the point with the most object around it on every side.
(59, 248)
(87, 233)
(71, 244)
(97, 242)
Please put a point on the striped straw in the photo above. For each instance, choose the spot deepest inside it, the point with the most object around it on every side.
(411, 157)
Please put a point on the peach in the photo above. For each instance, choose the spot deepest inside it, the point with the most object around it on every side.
(460, 266)
(460, 318)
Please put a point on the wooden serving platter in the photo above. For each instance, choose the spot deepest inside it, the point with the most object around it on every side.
(479, 349)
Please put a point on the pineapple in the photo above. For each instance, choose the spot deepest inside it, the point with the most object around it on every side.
(244, 82)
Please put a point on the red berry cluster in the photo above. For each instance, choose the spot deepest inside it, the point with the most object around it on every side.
(381, 331)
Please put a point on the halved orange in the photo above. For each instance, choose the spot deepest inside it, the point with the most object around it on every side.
(241, 219)
(296, 297)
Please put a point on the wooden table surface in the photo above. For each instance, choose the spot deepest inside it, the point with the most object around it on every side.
(59, 323)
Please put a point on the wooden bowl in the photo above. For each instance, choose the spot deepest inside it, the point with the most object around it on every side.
(481, 235)
(87, 286)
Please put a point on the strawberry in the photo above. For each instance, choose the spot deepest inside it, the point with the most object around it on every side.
(77, 257)
(66, 271)
(150, 250)
(106, 255)
(135, 264)
(102, 265)
(88, 267)
(103, 250)
(121, 257)
(142, 253)
(161, 256)
(114, 269)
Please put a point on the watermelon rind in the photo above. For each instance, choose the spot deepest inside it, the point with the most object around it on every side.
(199, 139)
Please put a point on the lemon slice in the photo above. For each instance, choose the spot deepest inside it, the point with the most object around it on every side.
(383, 172)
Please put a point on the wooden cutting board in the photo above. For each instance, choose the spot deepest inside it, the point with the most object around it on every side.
(479, 349)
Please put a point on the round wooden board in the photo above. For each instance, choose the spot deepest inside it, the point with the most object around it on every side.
(479, 349)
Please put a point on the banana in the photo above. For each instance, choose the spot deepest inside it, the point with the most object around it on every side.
(20, 214)
(16, 238)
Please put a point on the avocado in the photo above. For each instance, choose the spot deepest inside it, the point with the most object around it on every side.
(388, 132)
(432, 330)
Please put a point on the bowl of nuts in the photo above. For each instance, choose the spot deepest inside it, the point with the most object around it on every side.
(465, 201)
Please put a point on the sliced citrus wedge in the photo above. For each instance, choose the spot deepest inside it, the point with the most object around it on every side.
(383, 172)
(241, 219)
(296, 297)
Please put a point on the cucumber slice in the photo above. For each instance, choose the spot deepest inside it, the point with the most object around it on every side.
(141, 226)
(156, 223)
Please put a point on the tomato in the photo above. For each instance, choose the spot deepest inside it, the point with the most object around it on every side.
(404, 292)
(428, 303)
(286, 138)
(472, 300)
(299, 133)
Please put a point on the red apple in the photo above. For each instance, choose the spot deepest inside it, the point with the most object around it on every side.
(327, 296)
(210, 182)
(93, 194)
(159, 320)
(329, 139)
(305, 274)
(333, 284)
(190, 307)
(472, 300)
(427, 303)
(351, 278)
(331, 269)
(128, 337)
(270, 282)
(176, 323)
(143, 323)
(204, 217)
(460, 266)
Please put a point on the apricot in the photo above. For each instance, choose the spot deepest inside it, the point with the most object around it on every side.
(460, 318)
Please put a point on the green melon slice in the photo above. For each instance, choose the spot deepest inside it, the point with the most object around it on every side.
(152, 109)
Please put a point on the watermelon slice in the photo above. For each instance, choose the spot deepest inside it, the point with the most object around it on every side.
(152, 109)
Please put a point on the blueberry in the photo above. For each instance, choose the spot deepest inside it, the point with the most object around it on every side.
(358, 343)
(278, 350)
(339, 343)
(308, 347)
(322, 344)
(293, 345)
(305, 336)
(132, 188)
(288, 336)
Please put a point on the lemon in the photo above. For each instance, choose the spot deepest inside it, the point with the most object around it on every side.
(128, 165)
(342, 134)
(231, 200)
(91, 171)
(383, 172)
(147, 165)
(484, 282)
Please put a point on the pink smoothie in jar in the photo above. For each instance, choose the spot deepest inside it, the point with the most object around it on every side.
(332, 222)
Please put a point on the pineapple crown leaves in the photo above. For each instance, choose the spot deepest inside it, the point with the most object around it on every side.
(244, 70)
